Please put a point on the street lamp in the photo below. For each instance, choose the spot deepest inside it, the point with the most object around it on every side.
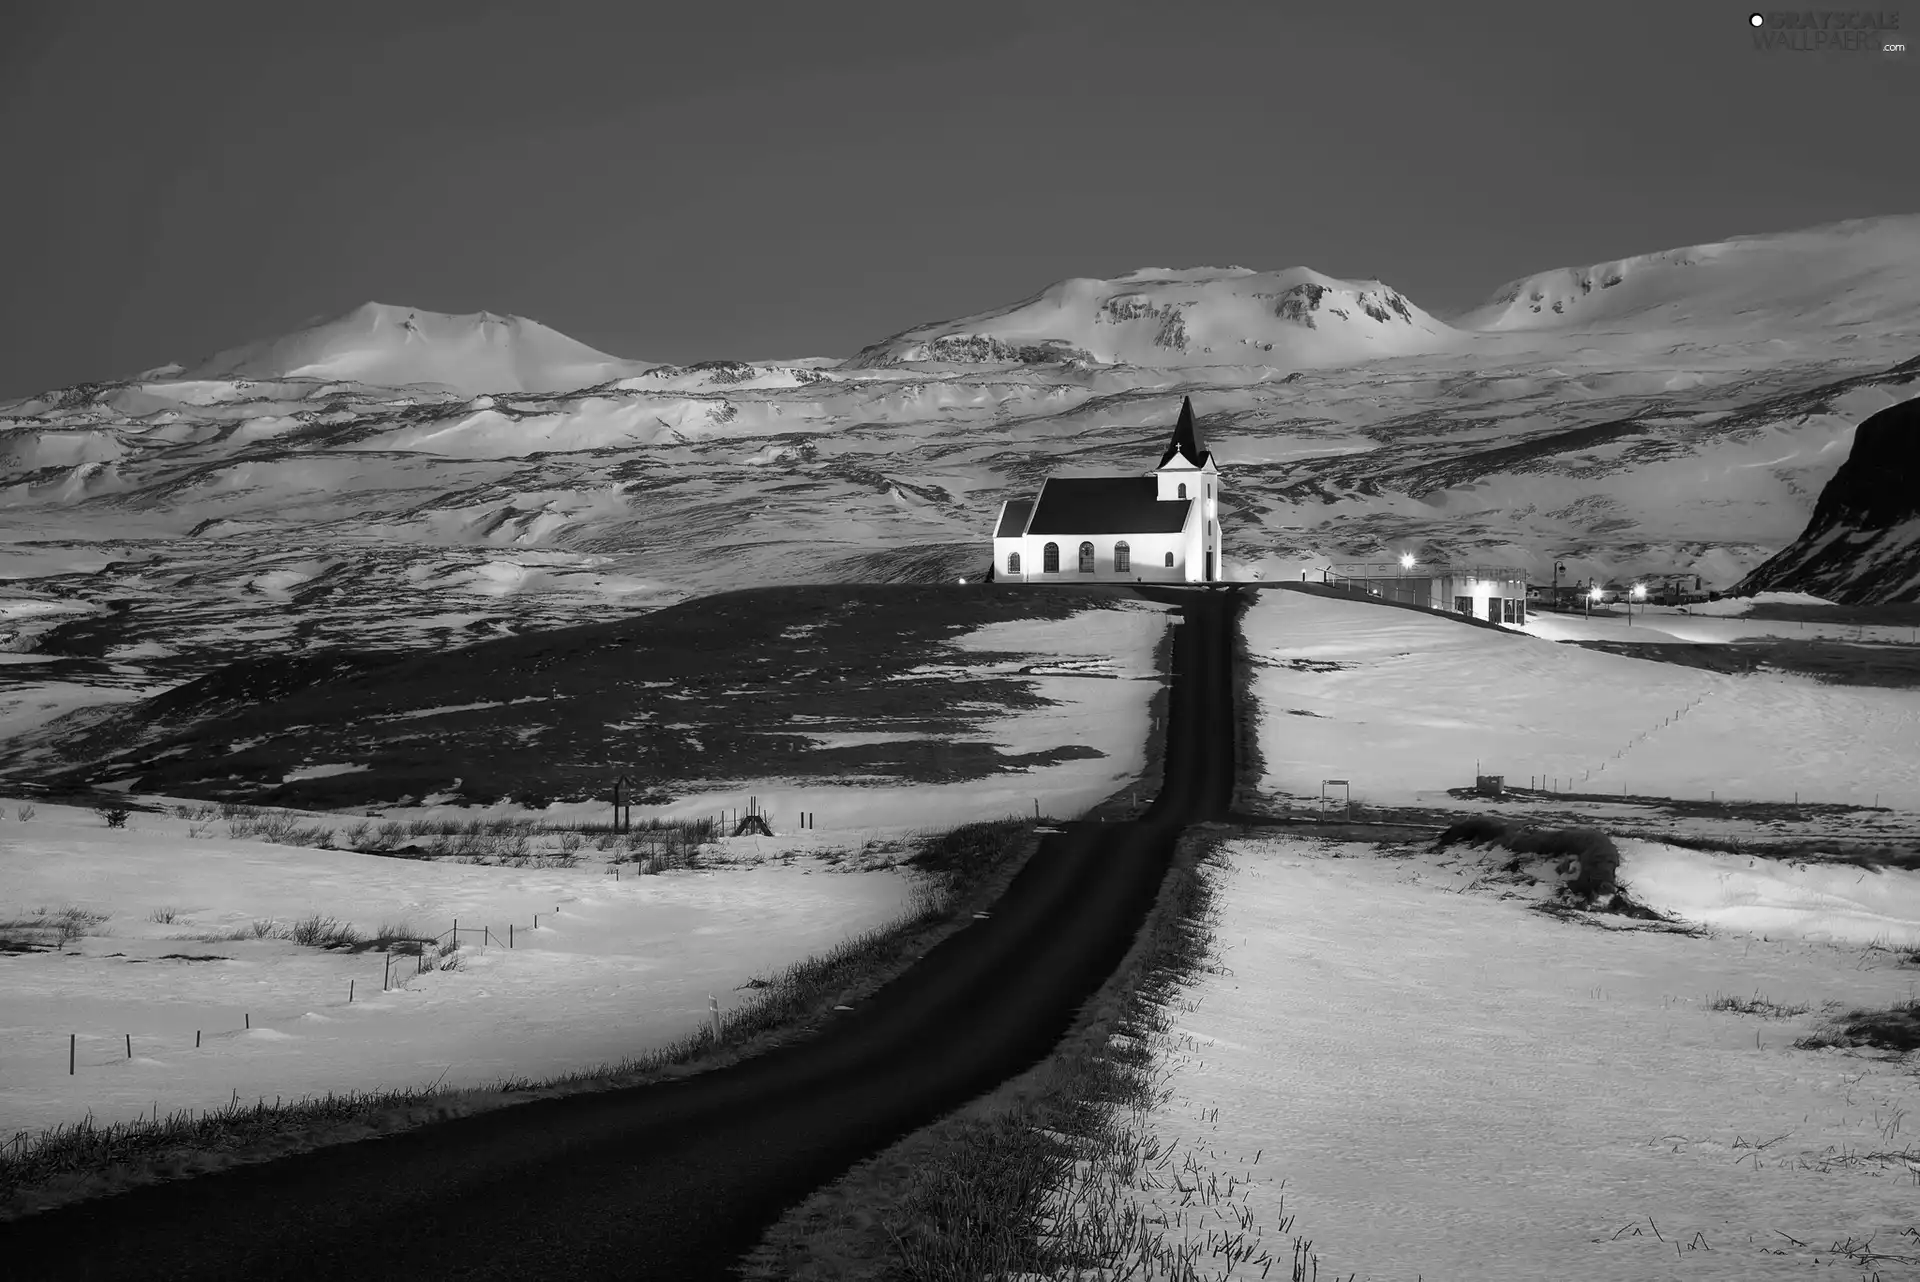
(1593, 594)
(1559, 567)
(1406, 560)
(1639, 594)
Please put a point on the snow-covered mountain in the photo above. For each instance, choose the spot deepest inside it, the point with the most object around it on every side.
(1863, 543)
(386, 346)
(1156, 317)
(1859, 273)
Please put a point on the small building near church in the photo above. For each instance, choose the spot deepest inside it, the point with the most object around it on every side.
(1161, 526)
(1495, 593)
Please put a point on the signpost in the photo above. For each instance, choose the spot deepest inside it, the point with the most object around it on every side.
(1335, 783)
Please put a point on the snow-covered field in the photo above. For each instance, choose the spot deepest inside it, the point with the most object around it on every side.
(614, 968)
(1098, 673)
(1442, 1083)
(1695, 624)
(1404, 705)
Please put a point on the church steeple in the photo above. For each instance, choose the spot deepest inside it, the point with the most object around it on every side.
(1185, 442)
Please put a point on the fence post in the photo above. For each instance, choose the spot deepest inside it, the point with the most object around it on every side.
(70, 1041)
(129, 1045)
(196, 1039)
(349, 992)
(509, 934)
(713, 1014)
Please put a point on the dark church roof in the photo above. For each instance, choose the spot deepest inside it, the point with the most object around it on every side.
(1185, 441)
(1014, 519)
(1106, 505)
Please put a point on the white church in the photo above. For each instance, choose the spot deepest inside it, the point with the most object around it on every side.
(1161, 527)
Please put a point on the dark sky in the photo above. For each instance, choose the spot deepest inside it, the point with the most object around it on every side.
(692, 181)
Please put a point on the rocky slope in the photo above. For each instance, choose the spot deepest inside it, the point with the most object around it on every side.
(1863, 544)
(1155, 317)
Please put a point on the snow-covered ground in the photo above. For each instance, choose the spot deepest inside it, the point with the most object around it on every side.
(1097, 671)
(613, 969)
(1405, 705)
(1442, 1083)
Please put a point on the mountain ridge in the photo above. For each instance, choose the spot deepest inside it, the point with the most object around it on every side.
(380, 344)
(1856, 272)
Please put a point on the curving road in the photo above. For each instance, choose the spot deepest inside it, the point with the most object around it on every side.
(678, 1180)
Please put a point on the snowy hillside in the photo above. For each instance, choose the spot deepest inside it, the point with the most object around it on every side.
(1292, 319)
(1862, 272)
(309, 491)
(387, 346)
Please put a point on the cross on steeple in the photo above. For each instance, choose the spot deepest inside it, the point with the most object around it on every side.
(1185, 442)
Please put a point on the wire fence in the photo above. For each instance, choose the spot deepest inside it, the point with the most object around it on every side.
(428, 954)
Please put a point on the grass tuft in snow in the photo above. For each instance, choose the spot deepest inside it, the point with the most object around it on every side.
(182, 1142)
(1756, 1005)
(445, 955)
(396, 932)
(1896, 1028)
(163, 916)
(1596, 858)
(24, 813)
(282, 828)
(316, 931)
(41, 929)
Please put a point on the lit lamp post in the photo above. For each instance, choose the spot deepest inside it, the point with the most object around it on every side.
(1639, 594)
(1406, 560)
(1593, 594)
(1558, 568)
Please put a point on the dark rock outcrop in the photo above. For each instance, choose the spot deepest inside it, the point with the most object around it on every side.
(1862, 546)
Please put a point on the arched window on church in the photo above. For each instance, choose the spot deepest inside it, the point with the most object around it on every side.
(1122, 558)
(1050, 559)
(1169, 560)
(1086, 558)
(1183, 489)
(1013, 563)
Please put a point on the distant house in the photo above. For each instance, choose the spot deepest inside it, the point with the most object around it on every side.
(1554, 596)
(1495, 593)
(1676, 589)
(1161, 526)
